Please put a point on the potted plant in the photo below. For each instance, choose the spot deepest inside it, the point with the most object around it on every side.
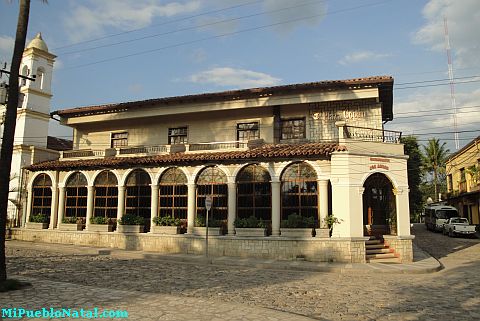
(131, 223)
(297, 226)
(331, 220)
(214, 227)
(38, 222)
(166, 225)
(72, 223)
(101, 224)
(250, 227)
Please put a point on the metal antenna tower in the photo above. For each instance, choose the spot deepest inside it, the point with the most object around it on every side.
(452, 82)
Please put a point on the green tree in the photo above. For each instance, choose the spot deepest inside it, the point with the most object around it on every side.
(414, 168)
(9, 126)
(434, 158)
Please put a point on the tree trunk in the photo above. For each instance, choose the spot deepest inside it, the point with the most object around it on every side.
(435, 182)
(9, 126)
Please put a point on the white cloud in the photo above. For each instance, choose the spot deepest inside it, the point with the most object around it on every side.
(361, 56)
(463, 24)
(234, 78)
(6, 48)
(89, 20)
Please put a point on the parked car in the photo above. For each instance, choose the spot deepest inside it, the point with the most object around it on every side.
(458, 226)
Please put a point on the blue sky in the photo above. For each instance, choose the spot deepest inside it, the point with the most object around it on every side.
(196, 46)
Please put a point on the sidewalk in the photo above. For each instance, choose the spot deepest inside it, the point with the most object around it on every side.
(423, 262)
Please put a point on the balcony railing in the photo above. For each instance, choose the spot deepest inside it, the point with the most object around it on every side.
(372, 134)
(83, 153)
(143, 150)
(217, 145)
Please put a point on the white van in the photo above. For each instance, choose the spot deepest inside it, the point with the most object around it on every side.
(437, 215)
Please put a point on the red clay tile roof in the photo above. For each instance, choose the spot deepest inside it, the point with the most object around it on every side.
(386, 82)
(265, 152)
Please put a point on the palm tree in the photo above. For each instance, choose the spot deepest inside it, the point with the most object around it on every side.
(434, 158)
(9, 127)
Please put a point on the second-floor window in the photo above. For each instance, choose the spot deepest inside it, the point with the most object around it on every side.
(248, 131)
(119, 140)
(293, 128)
(177, 135)
(462, 175)
(450, 182)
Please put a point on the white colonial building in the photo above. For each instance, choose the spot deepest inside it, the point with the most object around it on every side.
(286, 156)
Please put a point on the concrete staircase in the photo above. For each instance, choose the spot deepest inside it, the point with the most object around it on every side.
(378, 252)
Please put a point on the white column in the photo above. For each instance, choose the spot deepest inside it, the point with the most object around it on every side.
(29, 204)
(121, 202)
(153, 205)
(232, 207)
(191, 208)
(53, 209)
(61, 205)
(322, 185)
(90, 195)
(276, 208)
(403, 211)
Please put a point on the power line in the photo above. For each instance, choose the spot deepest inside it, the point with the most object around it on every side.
(159, 24)
(224, 35)
(188, 28)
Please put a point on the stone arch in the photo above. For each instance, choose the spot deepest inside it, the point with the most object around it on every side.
(123, 180)
(379, 205)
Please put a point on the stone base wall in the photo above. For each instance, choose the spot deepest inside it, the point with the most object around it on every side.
(343, 250)
(402, 247)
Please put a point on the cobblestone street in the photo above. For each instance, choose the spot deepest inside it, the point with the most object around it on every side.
(151, 290)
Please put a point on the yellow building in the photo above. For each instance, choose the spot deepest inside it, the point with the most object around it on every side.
(463, 181)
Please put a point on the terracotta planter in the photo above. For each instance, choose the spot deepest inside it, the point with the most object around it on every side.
(166, 230)
(100, 228)
(71, 227)
(202, 231)
(130, 228)
(250, 232)
(296, 232)
(36, 226)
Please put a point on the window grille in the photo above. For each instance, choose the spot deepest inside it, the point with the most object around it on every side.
(138, 194)
(42, 195)
(299, 191)
(212, 182)
(177, 135)
(173, 194)
(248, 131)
(293, 128)
(119, 140)
(254, 197)
(106, 195)
(76, 196)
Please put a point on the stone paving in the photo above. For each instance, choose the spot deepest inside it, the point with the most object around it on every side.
(167, 290)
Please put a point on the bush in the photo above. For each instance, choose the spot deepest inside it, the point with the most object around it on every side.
(298, 221)
(131, 219)
(167, 221)
(100, 220)
(39, 218)
(200, 222)
(70, 220)
(250, 222)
